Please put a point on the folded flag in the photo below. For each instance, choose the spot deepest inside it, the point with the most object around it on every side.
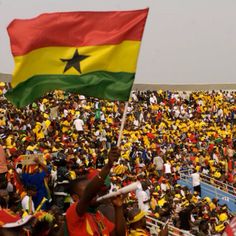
(90, 53)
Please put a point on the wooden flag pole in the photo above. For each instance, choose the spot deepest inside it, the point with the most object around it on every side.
(122, 124)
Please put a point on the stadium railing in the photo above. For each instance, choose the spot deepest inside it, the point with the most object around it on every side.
(212, 188)
(154, 225)
(212, 181)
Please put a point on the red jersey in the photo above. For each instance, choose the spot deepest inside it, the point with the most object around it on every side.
(89, 224)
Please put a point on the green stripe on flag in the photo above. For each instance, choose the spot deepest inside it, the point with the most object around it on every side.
(100, 84)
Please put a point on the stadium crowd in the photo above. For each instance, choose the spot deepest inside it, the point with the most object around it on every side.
(70, 141)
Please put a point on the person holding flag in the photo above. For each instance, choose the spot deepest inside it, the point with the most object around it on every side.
(82, 218)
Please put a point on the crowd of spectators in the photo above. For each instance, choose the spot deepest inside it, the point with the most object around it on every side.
(71, 140)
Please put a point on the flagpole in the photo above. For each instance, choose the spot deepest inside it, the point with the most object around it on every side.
(122, 124)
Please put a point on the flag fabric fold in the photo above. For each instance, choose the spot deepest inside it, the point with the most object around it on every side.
(90, 53)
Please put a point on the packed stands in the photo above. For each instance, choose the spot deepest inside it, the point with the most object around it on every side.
(63, 136)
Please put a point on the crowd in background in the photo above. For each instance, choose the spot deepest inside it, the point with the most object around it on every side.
(165, 133)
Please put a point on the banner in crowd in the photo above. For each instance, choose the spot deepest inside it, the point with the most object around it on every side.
(29, 159)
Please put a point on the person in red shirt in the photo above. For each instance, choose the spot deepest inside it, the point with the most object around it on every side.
(3, 168)
(82, 218)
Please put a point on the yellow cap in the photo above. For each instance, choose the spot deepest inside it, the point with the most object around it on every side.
(223, 217)
(219, 228)
(207, 199)
(178, 195)
(138, 217)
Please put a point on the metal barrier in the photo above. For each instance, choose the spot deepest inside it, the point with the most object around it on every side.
(154, 225)
(212, 188)
(209, 180)
(218, 184)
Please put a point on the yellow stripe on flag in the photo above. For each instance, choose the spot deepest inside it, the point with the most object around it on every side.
(113, 58)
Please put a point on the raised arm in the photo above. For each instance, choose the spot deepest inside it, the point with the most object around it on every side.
(97, 182)
(45, 168)
(120, 224)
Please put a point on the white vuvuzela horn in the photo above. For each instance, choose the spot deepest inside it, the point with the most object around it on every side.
(124, 190)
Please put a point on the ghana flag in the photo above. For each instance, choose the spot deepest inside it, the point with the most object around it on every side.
(90, 53)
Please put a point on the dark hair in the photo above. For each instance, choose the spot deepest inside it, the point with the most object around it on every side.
(144, 185)
(19, 166)
(72, 187)
(184, 218)
(203, 226)
(3, 203)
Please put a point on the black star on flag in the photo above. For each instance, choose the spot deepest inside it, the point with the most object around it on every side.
(74, 61)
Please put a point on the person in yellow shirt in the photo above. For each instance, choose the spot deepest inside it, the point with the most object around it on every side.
(65, 126)
(137, 223)
(38, 130)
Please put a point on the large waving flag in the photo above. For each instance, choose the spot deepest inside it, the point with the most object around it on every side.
(90, 53)
(230, 229)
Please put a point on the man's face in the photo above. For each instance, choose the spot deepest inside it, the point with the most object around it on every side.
(81, 188)
(80, 191)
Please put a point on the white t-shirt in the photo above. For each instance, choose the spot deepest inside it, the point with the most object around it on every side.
(65, 112)
(158, 162)
(151, 100)
(195, 179)
(25, 203)
(103, 135)
(81, 97)
(215, 157)
(163, 187)
(142, 200)
(134, 97)
(167, 168)
(78, 123)
(136, 123)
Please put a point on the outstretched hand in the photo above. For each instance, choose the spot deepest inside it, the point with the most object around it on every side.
(36, 160)
(113, 155)
(118, 201)
(164, 231)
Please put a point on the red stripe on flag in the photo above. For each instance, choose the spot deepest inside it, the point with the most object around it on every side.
(230, 229)
(76, 29)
